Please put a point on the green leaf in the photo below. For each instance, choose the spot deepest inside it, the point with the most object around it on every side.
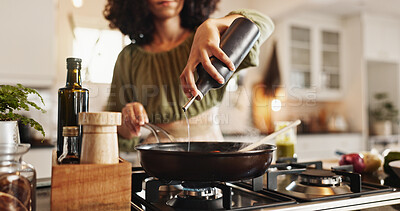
(15, 98)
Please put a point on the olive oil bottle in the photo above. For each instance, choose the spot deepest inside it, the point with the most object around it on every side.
(72, 99)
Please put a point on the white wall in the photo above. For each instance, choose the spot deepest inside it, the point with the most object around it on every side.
(277, 9)
(27, 53)
(353, 98)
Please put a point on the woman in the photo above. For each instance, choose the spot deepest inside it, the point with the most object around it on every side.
(154, 76)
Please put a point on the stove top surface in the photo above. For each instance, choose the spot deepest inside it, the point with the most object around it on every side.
(309, 182)
(284, 185)
(303, 192)
(242, 199)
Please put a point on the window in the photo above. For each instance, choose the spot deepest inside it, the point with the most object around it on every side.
(99, 50)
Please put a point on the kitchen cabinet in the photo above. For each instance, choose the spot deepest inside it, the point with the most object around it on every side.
(27, 41)
(381, 38)
(309, 49)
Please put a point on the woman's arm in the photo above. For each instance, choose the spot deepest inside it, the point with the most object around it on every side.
(206, 44)
(133, 114)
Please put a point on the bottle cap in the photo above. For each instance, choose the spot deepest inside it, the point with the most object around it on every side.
(73, 59)
(70, 131)
(74, 63)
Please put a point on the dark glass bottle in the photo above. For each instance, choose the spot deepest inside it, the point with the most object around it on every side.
(72, 99)
(236, 42)
(70, 150)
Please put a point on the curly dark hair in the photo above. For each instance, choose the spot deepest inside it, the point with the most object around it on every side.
(133, 17)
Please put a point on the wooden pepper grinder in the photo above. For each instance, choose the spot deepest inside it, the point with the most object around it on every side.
(99, 137)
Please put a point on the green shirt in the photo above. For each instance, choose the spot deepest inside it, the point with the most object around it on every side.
(153, 78)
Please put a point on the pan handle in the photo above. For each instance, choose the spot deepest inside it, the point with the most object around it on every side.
(155, 130)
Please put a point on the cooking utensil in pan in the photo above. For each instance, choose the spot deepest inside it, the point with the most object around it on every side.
(270, 136)
(205, 162)
(154, 129)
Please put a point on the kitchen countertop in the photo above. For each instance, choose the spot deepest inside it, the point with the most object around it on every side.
(43, 195)
(389, 201)
(386, 202)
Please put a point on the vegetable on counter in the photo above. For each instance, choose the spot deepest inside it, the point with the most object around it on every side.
(364, 162)
(372, 161)
(353, 159)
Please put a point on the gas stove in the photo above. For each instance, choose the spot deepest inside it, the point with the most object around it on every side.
(338, 188)
(285, 186)
(153, 194)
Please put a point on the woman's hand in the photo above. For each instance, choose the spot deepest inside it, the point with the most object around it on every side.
(206, 44)
(133, 117)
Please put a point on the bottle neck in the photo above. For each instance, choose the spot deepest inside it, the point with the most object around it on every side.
(71, 145)
(74, 78)
(12, 152)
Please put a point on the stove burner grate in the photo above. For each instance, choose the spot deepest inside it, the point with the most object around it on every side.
(319, 177)
(320, 184)
(205, 191)
(194, 203)
(193, 195)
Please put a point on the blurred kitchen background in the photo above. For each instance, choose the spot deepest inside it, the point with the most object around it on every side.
(334, 64)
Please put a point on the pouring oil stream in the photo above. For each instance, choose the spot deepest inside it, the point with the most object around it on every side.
(185, 108)
(188, 129)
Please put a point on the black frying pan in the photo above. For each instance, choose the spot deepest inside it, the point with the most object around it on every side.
(205, 162)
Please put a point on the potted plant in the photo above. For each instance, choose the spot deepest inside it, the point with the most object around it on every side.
(13, 99)
(383, 115)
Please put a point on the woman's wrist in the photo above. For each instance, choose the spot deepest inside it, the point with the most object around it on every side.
(125, 132)
(223, 23)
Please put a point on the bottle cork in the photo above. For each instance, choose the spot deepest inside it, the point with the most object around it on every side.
(70, 131)
(99, 137)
